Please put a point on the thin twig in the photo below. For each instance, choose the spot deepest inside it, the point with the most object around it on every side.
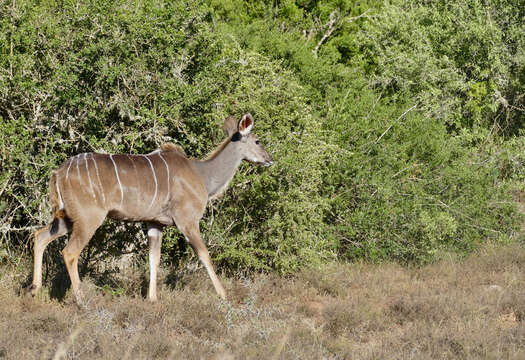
(375, 103)
(467, 217)
(404, 169)
(4, 186)
(399, 118)
(7, 228)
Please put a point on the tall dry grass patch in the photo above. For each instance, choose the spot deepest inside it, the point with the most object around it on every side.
(455, 309)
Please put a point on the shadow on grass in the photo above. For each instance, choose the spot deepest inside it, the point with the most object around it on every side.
(60, 284)
(173, 279)
(95, 256)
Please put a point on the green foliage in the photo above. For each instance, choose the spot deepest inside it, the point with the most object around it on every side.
(463, 63)
(406, 189)
(394, 126)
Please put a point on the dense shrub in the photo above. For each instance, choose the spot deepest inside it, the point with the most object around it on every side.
(464, 63)
(386, 121)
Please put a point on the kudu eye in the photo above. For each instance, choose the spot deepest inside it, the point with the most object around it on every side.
(257, 142)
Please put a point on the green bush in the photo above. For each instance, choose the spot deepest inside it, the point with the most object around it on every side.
(464, 63)
(408, 190)
(387, 122)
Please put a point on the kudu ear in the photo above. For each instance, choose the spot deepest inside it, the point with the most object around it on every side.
(246, 124)
(230, 126)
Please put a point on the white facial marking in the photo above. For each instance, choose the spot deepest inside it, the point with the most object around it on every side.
(168, 170)
(89, 177)
(118, 179)
(154, 178)
(98, 177)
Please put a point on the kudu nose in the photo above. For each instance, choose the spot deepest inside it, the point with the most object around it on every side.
(268, 161)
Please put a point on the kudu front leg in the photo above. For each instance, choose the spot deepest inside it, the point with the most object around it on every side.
(155, 241)
(194, 238)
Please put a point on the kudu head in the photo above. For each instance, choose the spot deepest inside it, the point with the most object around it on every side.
(248, 143)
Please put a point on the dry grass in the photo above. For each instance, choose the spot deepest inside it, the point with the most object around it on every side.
(471, 309)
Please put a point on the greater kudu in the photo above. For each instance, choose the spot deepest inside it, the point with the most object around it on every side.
(161, 188)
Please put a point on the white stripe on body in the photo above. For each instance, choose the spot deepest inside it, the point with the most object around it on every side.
(132, 163)
(89, 177)
(67, 172)
(155, 178)
(168, 170)
(118, 179)
(99, 182)
(134, 166)
(78, 170)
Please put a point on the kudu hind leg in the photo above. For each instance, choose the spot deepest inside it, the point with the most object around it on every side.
(194, 238)
(42, 238)
(155, 241)
(80, 236)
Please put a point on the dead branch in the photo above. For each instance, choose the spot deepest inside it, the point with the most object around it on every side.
(330, 28)
(333, 24)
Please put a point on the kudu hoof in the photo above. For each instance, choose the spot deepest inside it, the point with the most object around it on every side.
(31, 291)
(81, 304)
(80, 300)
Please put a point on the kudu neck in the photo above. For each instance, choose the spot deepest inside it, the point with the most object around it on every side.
(218, 170)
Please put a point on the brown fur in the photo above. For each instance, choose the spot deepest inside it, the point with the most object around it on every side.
(172, 147)
(218, 149)
(230, 126)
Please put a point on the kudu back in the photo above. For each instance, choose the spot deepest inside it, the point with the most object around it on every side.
(162, 188)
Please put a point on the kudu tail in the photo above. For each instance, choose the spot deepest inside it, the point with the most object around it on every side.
(57, 204)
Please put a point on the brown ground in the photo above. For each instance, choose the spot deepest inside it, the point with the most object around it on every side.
(471, 309)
